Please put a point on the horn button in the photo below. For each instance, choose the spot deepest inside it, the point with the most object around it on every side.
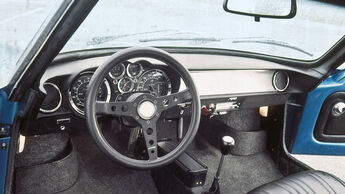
(147, 109)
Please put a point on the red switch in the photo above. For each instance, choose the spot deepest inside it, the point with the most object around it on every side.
(205, 111)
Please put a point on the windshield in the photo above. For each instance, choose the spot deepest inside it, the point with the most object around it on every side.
(19, 22)
(204, 24)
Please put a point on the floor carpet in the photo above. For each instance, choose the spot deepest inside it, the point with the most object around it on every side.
(239, 174)
(99, 174)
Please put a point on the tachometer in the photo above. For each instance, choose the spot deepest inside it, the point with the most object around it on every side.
(156, 82)
(77, 92)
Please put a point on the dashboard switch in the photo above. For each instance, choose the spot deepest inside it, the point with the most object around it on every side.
(220, 107)
(63, 121)
(226, 106)
(205, 111)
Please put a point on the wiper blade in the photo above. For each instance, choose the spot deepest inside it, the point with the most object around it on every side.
(103, 39)
(180, 36)
(164, 35)
(196, 39)
(262, 40)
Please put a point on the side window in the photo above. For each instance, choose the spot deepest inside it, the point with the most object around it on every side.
(19, 21)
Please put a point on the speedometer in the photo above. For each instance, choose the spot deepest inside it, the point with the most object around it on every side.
(77, 92)
(156, 82)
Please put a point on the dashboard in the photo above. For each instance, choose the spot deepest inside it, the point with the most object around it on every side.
(224, 83)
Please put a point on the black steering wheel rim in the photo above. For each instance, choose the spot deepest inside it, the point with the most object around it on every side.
(90, 108)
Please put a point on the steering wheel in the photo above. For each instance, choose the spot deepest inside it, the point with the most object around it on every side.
(145, 108)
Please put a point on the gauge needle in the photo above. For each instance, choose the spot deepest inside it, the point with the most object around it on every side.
(126, 84)
(152, 89)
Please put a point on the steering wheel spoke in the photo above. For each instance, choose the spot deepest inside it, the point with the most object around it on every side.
(114, 108)
(150, 135)
(174, 99)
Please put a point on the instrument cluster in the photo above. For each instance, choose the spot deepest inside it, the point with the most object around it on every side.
(123, 78)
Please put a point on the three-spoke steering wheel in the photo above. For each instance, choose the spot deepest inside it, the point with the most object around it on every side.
(145, 108)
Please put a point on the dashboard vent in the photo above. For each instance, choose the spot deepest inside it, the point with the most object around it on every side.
(280, 81)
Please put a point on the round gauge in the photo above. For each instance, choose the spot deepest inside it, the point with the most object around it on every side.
(280, 81)
(156, 82)
(117, 71)
(125, 85)
(53, 99)
(77, 92)
(134, 69)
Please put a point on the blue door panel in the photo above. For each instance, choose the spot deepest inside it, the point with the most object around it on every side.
(4, 142)
(8, 111)
(304, 142)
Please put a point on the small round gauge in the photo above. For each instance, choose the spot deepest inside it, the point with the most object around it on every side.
(117, 71)
(77, 92)
(156, 82)
(125, 85)
(134, 69)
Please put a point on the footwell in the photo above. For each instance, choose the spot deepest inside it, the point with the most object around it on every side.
(239, 174)
(99, 174)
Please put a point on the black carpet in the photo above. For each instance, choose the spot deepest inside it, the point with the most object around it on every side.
(98, 174)
(42, 149)
(239, 174)
(50, 177)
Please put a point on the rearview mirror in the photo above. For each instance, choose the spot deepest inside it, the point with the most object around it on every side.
(283, 9)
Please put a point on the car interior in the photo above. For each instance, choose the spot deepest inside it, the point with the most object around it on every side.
(166, 120)
(60, 155)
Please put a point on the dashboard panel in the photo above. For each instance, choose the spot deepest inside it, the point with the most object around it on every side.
(218, 79)
(233, 81)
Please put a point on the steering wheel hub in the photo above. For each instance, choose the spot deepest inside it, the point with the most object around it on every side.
(147, 109)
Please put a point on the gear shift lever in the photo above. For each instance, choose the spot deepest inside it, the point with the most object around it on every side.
(226, 146)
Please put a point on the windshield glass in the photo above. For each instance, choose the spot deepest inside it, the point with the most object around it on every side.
(204, 24)
(19, 22)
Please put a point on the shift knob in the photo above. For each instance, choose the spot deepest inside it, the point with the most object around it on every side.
(227, 144)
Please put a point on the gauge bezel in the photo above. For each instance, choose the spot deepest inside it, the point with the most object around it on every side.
(71, 102)
(60, 100)
(275, 84)
(160, 71)
(139, 74)
(119, 88)
(122, 73)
